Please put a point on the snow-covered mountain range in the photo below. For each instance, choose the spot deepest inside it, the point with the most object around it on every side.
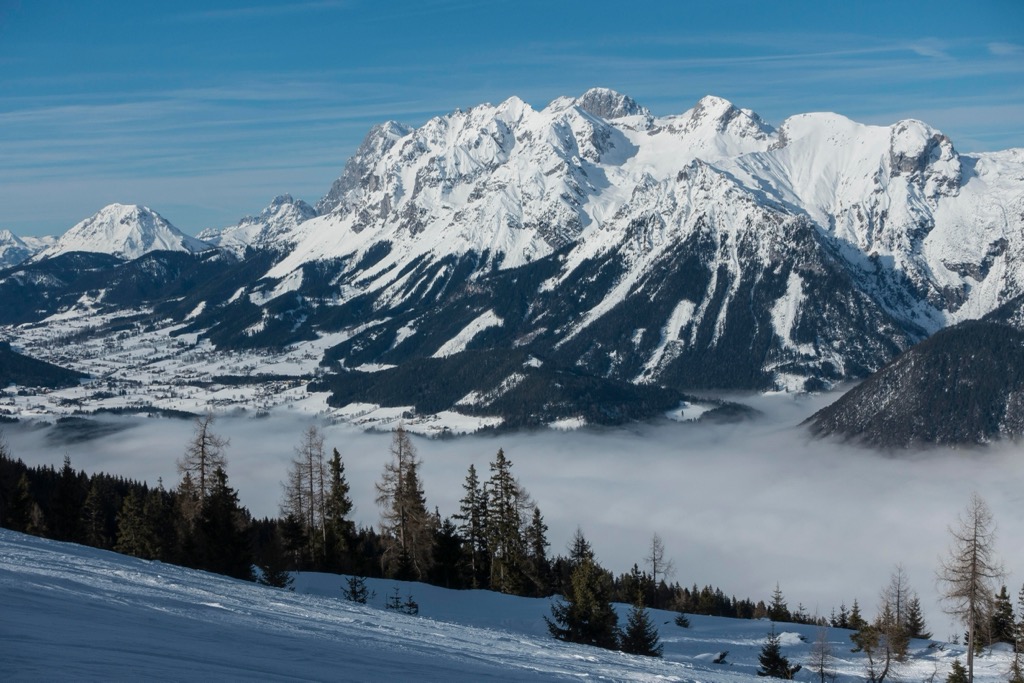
(593, 239)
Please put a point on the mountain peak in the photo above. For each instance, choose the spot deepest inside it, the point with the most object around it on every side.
(378, 140)
(720, 114)
(12, 249)
(124, 230)
(267, 230)
(609, 104)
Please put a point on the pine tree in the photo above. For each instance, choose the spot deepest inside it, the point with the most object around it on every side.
(224, 531)
(957, 674)
(777, 610)
(406, 526)
(95, 514)
(640, 636)
(915, 620)
(1002, 625)
(585, 614)
(355, 590)
(472, 516)
(273, 568)
(65, 519)
(856, 622)
(504, 528)
(773, 663)
(133, 537)
(339, 528)
(158, 516)
(538, 568)
(842, 619)
(19, 509)
(447, 554)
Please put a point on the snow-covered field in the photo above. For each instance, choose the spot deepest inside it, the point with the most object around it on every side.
(76, 613)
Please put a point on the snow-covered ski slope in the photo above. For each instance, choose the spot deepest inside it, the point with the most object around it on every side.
(76, 613)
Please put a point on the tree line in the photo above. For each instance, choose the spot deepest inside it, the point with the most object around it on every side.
(496, 540)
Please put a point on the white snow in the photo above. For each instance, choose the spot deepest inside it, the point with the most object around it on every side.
(677, 321)
(127, 231)
(77, 613)
(786, 312)
(458, 343)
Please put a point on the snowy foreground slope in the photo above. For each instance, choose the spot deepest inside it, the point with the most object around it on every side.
(76, 613)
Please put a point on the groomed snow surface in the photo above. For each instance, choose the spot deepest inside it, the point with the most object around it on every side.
(76, 613)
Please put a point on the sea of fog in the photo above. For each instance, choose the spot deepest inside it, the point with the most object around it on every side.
(739, 506)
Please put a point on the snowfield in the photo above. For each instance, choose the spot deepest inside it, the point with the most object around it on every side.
(77, 613)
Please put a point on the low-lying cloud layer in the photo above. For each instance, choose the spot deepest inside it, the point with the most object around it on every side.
(740, 507)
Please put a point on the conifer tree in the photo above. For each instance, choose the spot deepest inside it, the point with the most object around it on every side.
(65, 519)
(158, 515)
(1002, 625)
(94, 515)
(406, 526)
(472, 517)
(273, 568)
(447, 555)
(339, 528)
(957, 673)
(355, 590)
(536, 541)
(19, 508)
(856, 621)
(915, 620)
(842, 619)
(132, 535)
(640, 636)
(585, 614)
(773, 663)
(777, 609)
(504, 528)
(224, 531)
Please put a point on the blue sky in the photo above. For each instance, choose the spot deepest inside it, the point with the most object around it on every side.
(205, 111)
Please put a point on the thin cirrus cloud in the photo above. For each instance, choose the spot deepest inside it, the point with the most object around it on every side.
(263, 11)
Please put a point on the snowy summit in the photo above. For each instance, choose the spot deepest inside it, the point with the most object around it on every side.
(127, 231)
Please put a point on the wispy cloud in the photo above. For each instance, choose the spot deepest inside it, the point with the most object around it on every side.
(264, 11)
(1006, 49)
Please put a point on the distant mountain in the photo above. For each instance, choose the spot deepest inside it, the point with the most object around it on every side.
(703, 250)
(13, 250)
(964, 385)
(125, 231)
(268, 230)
